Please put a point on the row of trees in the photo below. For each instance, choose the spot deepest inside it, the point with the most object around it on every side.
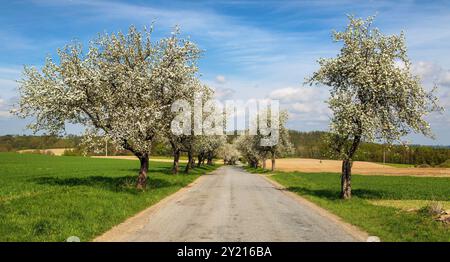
(305, 144)
(124, 86)
(121, 90)
(255, 153)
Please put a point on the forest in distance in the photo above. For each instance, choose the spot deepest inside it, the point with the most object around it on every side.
(306, 145)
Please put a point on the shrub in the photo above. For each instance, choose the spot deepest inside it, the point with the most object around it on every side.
(73, 152)
(433, 208)
(446, 164)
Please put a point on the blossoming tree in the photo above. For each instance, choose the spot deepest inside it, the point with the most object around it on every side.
(374, 95)
(117, 89)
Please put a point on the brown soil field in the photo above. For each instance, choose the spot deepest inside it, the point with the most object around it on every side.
(54, 151)
(363, 168)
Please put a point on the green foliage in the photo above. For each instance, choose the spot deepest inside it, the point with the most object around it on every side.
(45, 198)
(13, 143)
(446, 164)
(389, 223)
(73, 152)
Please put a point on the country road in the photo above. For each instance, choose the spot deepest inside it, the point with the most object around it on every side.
(230, 204)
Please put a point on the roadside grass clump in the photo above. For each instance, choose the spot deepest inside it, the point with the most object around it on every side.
(432, 209)
(50, 198)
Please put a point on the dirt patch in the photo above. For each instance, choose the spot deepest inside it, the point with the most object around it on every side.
(359, 167)
(54, 151)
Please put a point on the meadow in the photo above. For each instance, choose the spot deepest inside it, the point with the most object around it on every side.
(50, 198)
(380, 204)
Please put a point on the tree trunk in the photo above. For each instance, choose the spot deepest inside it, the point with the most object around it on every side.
(199, 160)
(176, 161)
(264, 163)
(346, 187)
(188, 164)
(141, 182)
(192, 161)
(273, 161)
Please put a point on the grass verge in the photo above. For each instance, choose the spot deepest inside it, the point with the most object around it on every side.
(388, 222)
(48, 198)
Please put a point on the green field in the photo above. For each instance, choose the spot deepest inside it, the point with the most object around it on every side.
(387, 222)
(48, 198)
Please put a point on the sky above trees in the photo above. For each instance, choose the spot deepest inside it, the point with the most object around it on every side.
(252, 49)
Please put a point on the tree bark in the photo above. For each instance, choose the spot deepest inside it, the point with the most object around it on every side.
(176, 161)
(264, 163)
(273, 161)
(141, 182)
(346, 187)
(192, 162)
(189, 163)
(200, 159)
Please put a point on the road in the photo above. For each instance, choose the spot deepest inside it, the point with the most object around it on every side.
(230, 204)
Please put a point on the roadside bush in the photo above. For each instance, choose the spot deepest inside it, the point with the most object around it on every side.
(423, 166)
(73, 152)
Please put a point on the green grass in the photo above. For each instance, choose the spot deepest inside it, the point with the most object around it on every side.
(47, 198)
(389, 223)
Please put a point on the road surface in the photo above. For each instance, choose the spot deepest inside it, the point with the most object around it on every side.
(230, 204)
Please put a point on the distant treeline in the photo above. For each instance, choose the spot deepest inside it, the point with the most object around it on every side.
(314, 145)
(9, 143)
(14, 143)
(306, 144)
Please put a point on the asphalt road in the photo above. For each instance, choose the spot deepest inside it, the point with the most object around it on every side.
(231, 205)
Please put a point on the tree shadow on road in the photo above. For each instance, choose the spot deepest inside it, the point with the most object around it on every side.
(335, 194)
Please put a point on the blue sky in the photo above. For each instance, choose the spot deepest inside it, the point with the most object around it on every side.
(252, 49)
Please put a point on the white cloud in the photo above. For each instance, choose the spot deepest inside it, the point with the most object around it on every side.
(290, 94)
(425, 69)
(431, 72)
(223, 93)
(220, 79)
(444, 78)
(305, 105)
(8, 78)
(4, 108)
